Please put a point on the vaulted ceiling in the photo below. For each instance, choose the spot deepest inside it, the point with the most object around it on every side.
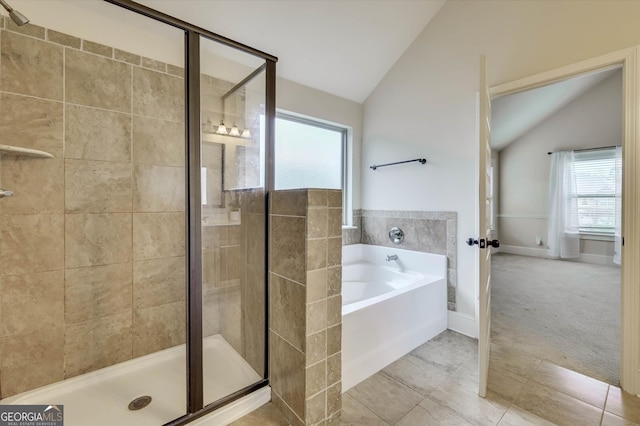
(343, 47)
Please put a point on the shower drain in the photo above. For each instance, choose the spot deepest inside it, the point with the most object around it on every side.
(140, 402)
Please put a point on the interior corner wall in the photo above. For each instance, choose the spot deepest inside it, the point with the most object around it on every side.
(592, 120)
(426, 104)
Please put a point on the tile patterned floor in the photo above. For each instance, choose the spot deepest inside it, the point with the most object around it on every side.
(436, 384)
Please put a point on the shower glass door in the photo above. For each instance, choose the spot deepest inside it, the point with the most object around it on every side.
(92, 243)
(232, 99)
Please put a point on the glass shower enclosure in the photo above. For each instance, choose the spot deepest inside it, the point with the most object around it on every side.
(133, 250)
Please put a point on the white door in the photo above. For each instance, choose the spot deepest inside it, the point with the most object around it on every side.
(484, 241)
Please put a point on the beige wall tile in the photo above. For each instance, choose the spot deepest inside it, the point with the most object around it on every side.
(31, 123)
(316, 316)
(334, 251)
(316, 347)
(316, 285)
(31, 243)
(334, 339)
(31, 302)
(334, 198)
(97, 343)
(158, 95)
(287, 310)
(97, 48)
(291, 417)
(30, 67)
(36, 182)
(334, 369)
(31, 29)
(64, 39)
(334, 223)
(316, 254)
(288, 373)
(288, 247)
(334, 399)
(289, 203)
(121, 55)
(158, 142)
(97, 239)
(158, 188)
(231, 317)
(154, 65)
(316, 378)
(334, 310)
(317, 223)
(177, 71)
(334, 280)
(158, 328)
(98, 82)
(317, 198)
(96, 134)
(97, 186)
(158, 235)
(28, 361)
(316, 407)
(97, 291)
(158, 281)
(211, 313)
(253, 324)
(230, 263)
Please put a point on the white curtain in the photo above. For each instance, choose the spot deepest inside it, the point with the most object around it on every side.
(617, 248)
(563, 237)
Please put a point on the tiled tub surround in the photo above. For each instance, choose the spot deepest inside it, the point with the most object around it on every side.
(429, 232)
(305, 304)
(92, 243)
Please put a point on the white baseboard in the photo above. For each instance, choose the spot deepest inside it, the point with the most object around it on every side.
(462, 323)
(596, 259)
(524, 251)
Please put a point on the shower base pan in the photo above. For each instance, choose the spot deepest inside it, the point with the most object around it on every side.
(102, 397)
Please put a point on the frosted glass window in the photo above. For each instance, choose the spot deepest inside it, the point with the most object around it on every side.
(308, 154)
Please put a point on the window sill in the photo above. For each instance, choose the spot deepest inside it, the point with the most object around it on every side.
(597, 237)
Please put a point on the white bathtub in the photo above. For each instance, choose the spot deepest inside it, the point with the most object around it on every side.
(389, 308)
(102, 396)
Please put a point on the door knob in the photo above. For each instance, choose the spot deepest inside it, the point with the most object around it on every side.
(481, 242)
(493, 243)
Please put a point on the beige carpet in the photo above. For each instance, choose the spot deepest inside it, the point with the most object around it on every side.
(564, 312)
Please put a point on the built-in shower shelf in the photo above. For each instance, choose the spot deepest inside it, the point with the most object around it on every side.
(23, 152)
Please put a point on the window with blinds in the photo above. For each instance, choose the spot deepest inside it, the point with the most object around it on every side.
(595, 173)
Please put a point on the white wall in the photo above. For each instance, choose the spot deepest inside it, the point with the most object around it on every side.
(592, 120)
(426, 104)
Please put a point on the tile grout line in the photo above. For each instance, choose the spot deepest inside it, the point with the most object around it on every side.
(604, 406)
(366, 408)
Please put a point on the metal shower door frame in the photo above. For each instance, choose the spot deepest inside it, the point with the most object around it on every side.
(193, 215)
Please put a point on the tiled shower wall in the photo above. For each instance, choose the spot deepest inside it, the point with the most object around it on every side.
(92, 243)
(429, 232)
(305, 327)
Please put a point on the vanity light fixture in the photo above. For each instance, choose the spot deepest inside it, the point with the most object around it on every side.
(222, 129)
(234, 131)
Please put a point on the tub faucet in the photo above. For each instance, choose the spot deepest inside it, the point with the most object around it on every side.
(391, 257)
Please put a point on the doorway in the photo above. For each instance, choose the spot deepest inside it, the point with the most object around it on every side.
(567, 313)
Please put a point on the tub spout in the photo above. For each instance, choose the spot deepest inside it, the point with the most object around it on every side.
(391, 257)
